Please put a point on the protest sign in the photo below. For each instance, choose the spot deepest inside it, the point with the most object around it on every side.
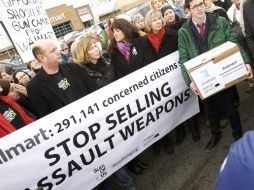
(26, 22)
(80, 145)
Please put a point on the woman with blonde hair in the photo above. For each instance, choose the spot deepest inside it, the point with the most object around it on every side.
(156, 4)
(161, 39)
(100, 73)
(89, 55)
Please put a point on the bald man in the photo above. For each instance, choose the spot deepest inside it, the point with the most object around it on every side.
(56, 84)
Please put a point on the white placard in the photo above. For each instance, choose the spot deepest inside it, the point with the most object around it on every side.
(80, 145)
(207, 79)
(211, 78)
(26, 22)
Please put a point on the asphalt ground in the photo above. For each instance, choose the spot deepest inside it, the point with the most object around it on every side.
(190, 167)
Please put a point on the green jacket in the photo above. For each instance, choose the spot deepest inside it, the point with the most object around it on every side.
(219, 32)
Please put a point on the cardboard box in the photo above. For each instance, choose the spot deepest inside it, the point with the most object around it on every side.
(217, 69)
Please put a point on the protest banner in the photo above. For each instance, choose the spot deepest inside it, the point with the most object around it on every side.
(26, 22)
(80, 145)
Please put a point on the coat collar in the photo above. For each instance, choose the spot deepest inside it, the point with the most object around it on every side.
(211, 18)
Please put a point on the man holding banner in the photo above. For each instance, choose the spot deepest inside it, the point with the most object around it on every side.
(199, 34)
(55, 85)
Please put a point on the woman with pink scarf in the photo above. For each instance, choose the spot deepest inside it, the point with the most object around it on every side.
(127, 55)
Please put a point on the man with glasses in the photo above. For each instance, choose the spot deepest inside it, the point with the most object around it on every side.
(202, 32)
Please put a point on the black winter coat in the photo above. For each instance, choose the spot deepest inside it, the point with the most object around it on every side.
(99, 74)
(169, 44)
(138, 58)
(45, 96)
(248, 15)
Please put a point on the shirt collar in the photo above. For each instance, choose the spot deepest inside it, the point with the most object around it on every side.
(195, 23)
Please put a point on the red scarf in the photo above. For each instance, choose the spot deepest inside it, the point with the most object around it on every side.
(5, 126)
(155, 39)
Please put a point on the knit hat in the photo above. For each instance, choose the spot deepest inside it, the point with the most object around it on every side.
(163, 9)
(237, 171)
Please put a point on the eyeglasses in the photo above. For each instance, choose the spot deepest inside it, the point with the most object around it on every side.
(64, 49)
(198, 5)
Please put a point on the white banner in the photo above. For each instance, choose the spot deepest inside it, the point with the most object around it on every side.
(26, 22)
(80, 145)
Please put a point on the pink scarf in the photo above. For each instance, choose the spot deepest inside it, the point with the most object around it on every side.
(124, 48)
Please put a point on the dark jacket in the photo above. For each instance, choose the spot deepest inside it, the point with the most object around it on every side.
(169, 44)
(179, 21)
(44, 95)
(138, 57)
(5, 126)
(248, 15)
(99, 74)
(219, 32)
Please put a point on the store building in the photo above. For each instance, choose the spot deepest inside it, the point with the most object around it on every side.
(64, 19)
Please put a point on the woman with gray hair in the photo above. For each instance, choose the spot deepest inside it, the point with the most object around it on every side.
(66, 55)
(139, 21)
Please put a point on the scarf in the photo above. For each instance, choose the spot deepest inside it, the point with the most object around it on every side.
(124, 48)
(5, 126)
(155, 39)
(213, 8)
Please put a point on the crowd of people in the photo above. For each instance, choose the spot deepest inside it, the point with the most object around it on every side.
(192, 27)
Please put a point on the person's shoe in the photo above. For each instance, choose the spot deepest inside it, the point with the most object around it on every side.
(141, 164)
(212, 143)
(135, 169)
(223, 123)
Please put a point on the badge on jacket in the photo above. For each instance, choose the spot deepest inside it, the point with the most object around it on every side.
(134, 51)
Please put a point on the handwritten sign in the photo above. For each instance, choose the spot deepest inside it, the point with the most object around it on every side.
(26, 22)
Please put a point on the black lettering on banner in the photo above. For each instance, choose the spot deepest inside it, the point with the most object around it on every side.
(121, 115)
(72, 166)
(111, 121)
(187, 94)
(65, 146)
(48, 155)
(150, 118)
(56, 175)
(93, 129)
(44, 184)
(60, 129)
(85, 139)
(127, 131)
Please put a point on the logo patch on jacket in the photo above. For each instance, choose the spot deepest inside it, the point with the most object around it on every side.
(10, 114)
(64, 84)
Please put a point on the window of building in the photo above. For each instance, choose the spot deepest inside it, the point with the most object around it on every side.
(62, 29)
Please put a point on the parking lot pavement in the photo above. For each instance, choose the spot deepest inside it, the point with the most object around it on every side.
(191, 168)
